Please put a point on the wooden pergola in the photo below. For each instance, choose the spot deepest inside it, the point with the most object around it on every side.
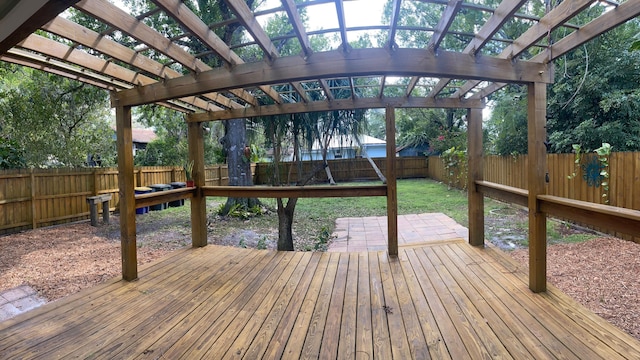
(157, 68)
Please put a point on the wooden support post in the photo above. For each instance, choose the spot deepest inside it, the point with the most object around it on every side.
(199, 201)
(392, 192)
(475, 162)
(126, 182)
(537, 102)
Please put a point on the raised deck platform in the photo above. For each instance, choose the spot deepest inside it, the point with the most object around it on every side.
(447, 300)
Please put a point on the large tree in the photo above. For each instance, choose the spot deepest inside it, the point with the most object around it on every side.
(595, 97)
(171, 147)
(68, 120)
(303, 130)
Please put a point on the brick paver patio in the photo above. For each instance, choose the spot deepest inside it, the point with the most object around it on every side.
(370, 233)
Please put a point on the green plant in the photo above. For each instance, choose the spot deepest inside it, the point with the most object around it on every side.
(188, 170)
(242, 212)
(257, 153)
(604, 152)
(262, 243)
(577, 149)
(323, 239)
(455, 165)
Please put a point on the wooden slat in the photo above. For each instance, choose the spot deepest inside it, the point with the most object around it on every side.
(308, 341)
(331, 336)
(397, 332)
(502, 192)
(564, 314)
(348, 328)
(212, 322)
(246, 324)
(167, 309)
(441, 301)
(363, 326)
(380, 329)
(336, 104)
(434, 332)
(269, 342)
(160, 197)
(21, 18)
(418, 346)
(626, 221)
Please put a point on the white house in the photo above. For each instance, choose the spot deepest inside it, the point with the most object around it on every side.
(346, 147)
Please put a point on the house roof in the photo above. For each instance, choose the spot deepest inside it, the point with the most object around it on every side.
(347, 141)
(143, 136)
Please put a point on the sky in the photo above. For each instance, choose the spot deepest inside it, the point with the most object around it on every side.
(357, 13)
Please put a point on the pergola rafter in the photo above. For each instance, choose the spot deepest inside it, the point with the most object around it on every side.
(59, 51)
(504, 11)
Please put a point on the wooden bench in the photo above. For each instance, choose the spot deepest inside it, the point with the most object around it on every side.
(93, 202)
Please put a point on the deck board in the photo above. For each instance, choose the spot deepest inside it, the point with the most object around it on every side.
(445, 300)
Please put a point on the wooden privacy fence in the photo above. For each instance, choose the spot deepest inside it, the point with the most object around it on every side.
(624, 177)
(44, 197)
(346, 169)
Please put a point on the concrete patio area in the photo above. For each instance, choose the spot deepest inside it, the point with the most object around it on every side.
(370, 233)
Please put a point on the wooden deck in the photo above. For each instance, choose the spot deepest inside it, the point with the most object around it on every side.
(448, 300)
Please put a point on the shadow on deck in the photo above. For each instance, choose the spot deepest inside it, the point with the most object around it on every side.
(447, 300)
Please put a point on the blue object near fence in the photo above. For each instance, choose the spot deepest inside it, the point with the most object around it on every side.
(142, 190)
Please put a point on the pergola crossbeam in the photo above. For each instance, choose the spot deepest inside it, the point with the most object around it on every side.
(337, 104)
(358, 62)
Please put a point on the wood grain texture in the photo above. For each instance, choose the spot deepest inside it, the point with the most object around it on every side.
(441, 301)
(126, 192)
(475, 173)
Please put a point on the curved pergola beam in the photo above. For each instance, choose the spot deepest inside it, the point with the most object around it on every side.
(357, 62)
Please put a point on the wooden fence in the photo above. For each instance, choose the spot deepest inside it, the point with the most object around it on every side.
(44, 197)
(346, 170)
(624, 177)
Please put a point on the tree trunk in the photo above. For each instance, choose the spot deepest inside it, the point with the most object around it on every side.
(285, 224)
(238, 162)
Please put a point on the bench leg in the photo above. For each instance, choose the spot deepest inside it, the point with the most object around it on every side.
(105, 212)
(93, 213)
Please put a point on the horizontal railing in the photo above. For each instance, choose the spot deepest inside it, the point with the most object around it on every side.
(160, 197)
(607, 217)
(294, 191)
